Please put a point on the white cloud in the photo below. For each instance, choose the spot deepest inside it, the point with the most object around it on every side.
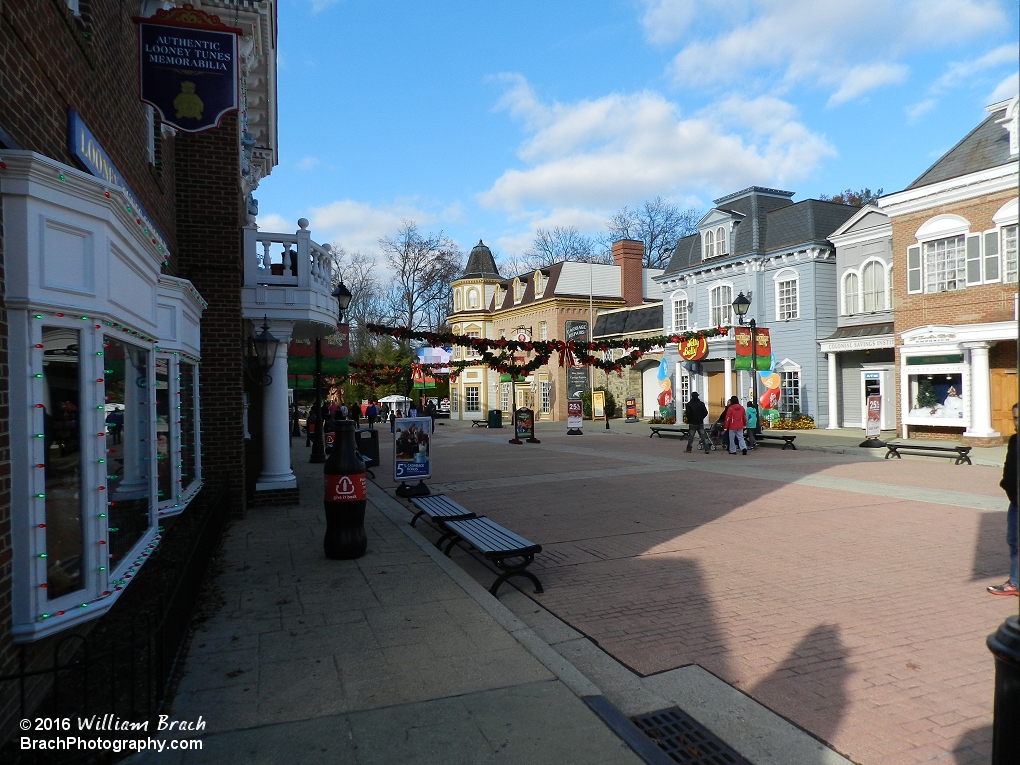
(622, 148)
(276, 224)
(846, 48)
(358, 226)
(307, 163)
(918, 110)
(959, 72)
(1008, 88)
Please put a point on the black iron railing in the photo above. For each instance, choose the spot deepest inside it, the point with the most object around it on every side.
(126, 664)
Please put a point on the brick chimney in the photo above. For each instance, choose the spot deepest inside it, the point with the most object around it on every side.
(628, 254)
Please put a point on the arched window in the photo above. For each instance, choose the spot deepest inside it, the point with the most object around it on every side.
(518, 290)
(709, 245)
(851, 290)
(787, 295)
(540, 281)
(680, 311)
(873, 286)
(472, 298)
(456, 300)
(721, 304)
(721, 247)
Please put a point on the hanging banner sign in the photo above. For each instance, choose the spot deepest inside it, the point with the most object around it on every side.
(693, 348)
(742, 348)
(412, 441)
(188, 67)
(763, 348)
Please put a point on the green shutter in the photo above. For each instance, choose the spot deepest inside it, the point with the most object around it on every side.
(973, 259)
(914, 268)
(991, 256)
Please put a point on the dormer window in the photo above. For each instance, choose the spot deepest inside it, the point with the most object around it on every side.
(721, 245)
(518, 290)
(709, 244)
(540, 281)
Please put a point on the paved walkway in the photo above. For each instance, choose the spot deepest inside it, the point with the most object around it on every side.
(387, 659)
(842, 591)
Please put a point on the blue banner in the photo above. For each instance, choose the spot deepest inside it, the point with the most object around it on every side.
(188, 74)
(86, 149)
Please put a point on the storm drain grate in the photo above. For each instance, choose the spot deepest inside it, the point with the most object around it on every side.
(686, 740)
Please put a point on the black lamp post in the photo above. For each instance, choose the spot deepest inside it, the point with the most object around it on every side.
(740, 306)
(343, 299)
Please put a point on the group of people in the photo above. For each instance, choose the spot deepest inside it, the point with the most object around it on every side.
(735, 420)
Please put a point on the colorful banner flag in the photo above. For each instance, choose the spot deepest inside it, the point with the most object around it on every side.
(742, 347)
(334, 351)
(763, 348)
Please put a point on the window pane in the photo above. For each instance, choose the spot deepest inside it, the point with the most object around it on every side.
(188, 414)
(850, 295)
(62, 445)
(874, 287)
(789, 392)
(787, 299)
(1009, 254)
(721, 305)
(127, 485)
(944, 264)
(471, 399)
(164, 472)
(679, 315)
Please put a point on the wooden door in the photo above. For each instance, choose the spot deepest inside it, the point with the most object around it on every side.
(716, 395)
(1004, 395)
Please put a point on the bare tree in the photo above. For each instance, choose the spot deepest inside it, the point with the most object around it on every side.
(659, 224)
(357, 271)
(562, 243)
(422, 267)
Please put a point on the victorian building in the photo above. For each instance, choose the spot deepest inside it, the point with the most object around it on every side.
(954, 285)
(557, 302)
(759, 243)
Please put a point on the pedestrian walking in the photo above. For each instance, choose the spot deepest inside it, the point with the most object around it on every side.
(342, 412)
(1008, 484)
(734, 421)
(355, 412)
(695, 413)
(371, 413)
(751, 410)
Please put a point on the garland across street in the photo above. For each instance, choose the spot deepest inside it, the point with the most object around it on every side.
(499, 355)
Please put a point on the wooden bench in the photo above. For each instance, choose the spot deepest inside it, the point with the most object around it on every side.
(438, 508)
(658, 430)
(508, 552)
(786, 439)
(958, 453)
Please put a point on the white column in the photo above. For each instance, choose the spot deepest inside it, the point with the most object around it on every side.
(833, 393)
(727, 379)
(980, 393)
(276, 470)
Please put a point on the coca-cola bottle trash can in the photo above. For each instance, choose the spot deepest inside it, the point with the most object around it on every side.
(345, 489)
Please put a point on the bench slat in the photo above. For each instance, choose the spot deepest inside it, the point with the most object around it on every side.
(490, 538)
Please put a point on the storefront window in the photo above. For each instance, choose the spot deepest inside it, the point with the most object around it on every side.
(789, 392)
(936, 397)
(62, 439)
(471, 403)
(188, 413)
(164, 467)
(129, 471)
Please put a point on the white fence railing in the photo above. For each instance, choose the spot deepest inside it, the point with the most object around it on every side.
(287, 260)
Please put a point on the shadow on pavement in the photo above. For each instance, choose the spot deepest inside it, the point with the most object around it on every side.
(820, 699)
(991, 556)
(974, 747)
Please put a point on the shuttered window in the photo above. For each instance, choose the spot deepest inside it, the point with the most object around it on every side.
(973, 259)
(1009, 254)
(945, 263)
(992, 256)
(914, 268)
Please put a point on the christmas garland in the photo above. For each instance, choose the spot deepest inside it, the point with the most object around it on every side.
(499, 354)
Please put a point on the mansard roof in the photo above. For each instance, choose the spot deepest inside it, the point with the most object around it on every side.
(629, 321)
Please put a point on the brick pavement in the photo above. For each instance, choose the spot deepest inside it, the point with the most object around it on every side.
(851, 607)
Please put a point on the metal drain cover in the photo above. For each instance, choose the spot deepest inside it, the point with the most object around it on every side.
(685, 740)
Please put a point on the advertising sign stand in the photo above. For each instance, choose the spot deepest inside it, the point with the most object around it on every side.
(574, 411)
(524, 425)
(412, 447)
(873, 425)
(631, 408)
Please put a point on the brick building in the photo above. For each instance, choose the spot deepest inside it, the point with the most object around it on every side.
(954, 245)
(560, 302)
(131, 271)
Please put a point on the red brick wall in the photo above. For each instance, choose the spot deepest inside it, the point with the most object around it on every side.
(209, 247)
(629, 254)
(973, 305)
(52, 61)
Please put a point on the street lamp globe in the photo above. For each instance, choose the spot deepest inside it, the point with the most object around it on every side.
(740, 306)
(343, 297)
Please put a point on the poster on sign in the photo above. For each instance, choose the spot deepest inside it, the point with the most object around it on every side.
(598, 405)
(575, 411)
(874, 424)
(631, 409)
(412, 443)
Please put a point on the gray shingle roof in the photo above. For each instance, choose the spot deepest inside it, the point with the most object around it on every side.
(631, 322)
(480, 263)
(986, 146)
(772, 223)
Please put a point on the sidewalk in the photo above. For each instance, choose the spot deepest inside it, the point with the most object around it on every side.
(386, 659)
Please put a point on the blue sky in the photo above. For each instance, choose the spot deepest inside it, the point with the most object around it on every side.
(492, 119)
